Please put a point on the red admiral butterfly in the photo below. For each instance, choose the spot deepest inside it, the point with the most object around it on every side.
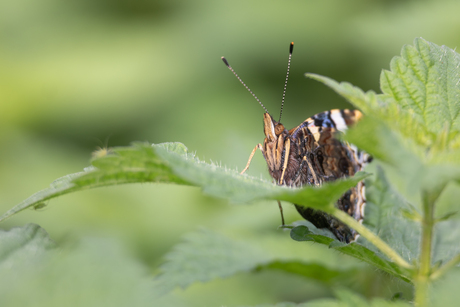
(312, 154)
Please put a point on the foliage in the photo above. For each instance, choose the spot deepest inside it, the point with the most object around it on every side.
(413, 127)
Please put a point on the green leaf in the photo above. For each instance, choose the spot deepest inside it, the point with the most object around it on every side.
(322, 197)
(391, 135)
(316, 303)
(425, 80)
(23, 244)
(221, 182)
(446, 216)
(92, 272)
(352, 299)
(385, 215)
(415, 122)
(316, 271)
(378, 106)
(171, 163)
(138, 163)
(376, 138)
(205, 256)
(363, 101)
(446, 240)
(355, 250)
(345, 298)
(444, 292)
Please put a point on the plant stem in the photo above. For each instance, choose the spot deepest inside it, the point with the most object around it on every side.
(422, 279)
(427, 235)
(371, 237)
(421, 291)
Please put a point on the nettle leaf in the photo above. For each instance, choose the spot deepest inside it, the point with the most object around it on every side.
(421, 94)
(396, 222)
(373, 135)
(387, 214)
(446, 240)
(137, 163)
(376, 106)
(414, 124)
(91, 272)
(387, 145)
(171, 163)
(425, 79)
(356, 96)
(221, 182)
(23, 244)
(355, 250)
(205, 255)
(384, 215)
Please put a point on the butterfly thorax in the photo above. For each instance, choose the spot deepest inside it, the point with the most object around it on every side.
(281, 153)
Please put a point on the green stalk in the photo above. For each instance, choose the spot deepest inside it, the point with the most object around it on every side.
(371, 237)
(422, 279)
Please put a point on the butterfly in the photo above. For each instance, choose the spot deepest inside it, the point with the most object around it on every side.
(312, 154)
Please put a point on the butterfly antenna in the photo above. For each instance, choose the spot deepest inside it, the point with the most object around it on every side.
(291, 47)
(244, 84)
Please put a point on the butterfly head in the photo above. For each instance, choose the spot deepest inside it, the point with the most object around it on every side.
(272, 128)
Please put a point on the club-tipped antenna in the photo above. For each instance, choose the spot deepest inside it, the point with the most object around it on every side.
(291, 48)
(244, 84)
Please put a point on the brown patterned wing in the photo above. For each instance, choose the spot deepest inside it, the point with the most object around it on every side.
(328, 159)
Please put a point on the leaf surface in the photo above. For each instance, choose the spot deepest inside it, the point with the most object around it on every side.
(171, 163)
(205, 255)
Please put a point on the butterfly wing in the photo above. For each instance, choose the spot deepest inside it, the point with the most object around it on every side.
(326, 158)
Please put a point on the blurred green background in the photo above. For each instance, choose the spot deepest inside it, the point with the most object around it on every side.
(78, 75)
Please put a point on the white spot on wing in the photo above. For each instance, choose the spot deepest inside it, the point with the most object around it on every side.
(338, 120)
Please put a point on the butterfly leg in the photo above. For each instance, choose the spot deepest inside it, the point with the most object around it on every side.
(258, 146)
(282, 215)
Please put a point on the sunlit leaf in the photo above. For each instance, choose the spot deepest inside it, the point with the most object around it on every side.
(425, 79)
(171, 163)
(356, 96)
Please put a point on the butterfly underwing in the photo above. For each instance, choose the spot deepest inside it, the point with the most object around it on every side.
(312, 154)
